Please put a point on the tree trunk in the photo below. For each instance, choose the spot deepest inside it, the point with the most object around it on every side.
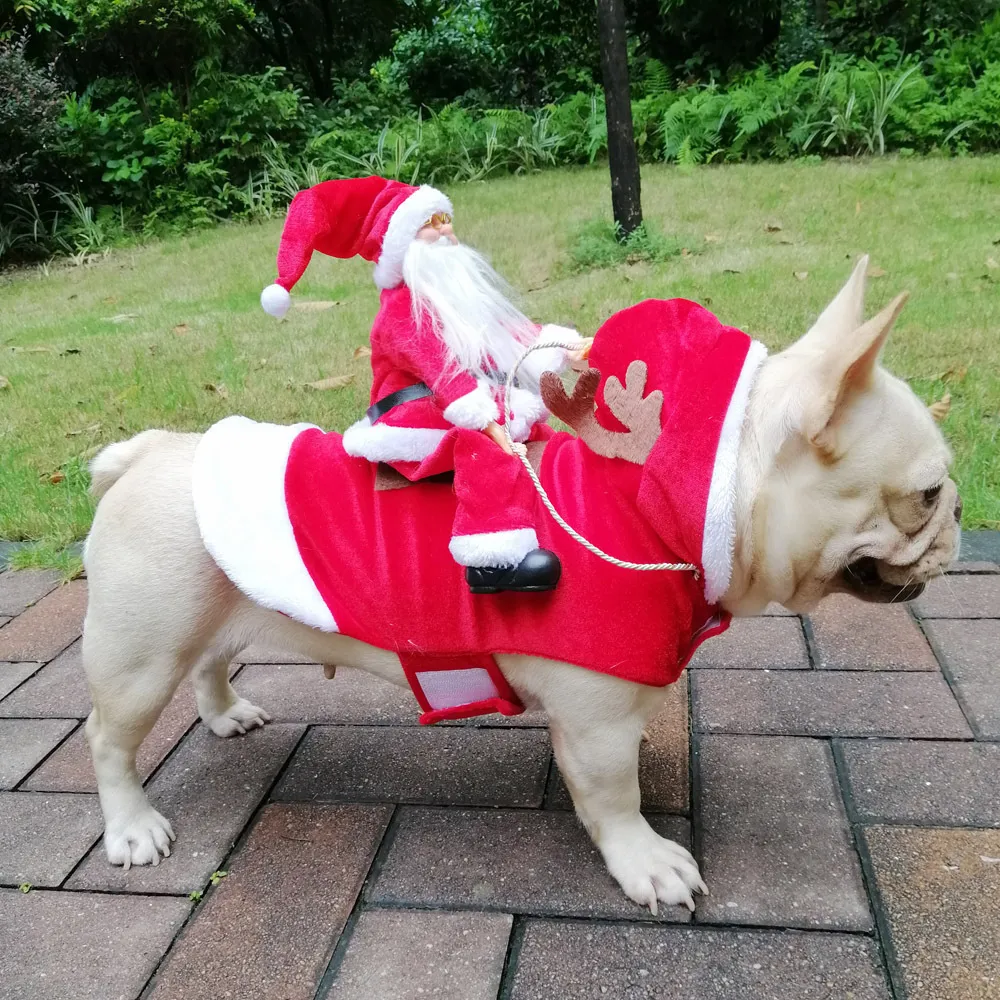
(623, 158)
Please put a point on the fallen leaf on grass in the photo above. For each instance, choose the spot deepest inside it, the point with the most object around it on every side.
(123, 318)
(110, 300)
(334, 382)
(181, 329)
(218, 388)
(4, 382)
(685, 252)
(711, 237)
(315, 305)
(84, 430)
(801, 275)
(991, 264)
(362, 352)
(939, 409)
(37, 349)
(876, 272)
(53, 477)
(772, 227)
(857, 208)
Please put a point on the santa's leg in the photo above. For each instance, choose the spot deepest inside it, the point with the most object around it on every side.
(494, 530)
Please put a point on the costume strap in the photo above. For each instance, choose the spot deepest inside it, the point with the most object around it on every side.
(408, 394)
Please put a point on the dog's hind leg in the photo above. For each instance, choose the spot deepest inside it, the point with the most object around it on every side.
(128, 699)
(220, 707)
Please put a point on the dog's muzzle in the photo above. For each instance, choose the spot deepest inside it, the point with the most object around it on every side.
(862, 579)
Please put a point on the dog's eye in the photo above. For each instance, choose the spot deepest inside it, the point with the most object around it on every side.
(932, 494)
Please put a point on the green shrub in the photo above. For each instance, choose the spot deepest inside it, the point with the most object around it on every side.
(599, 244)
(30, 103)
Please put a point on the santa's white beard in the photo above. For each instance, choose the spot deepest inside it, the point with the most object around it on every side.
(455, 288)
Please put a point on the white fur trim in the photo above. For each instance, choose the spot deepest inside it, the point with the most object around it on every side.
(385, 443)
(474, 410)
(275, 300)
(403, 227)
(720, 517)
(528, 410)
(238, 484)
(493, 548)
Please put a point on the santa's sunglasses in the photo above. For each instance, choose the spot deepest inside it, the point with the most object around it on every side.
(438, 220)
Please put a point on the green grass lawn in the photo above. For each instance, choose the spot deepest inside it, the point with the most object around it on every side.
(172, 335)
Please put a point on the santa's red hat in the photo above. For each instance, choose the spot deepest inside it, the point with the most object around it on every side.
(367, 216)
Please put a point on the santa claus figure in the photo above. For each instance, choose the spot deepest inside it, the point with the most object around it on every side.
(443, 341)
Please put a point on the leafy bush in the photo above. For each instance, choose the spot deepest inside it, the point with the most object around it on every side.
(453, 56)
(30, 104)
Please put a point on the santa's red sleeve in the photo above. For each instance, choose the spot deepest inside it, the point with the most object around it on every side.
(464, 400)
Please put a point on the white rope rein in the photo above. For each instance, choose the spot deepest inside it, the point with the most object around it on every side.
(522, 453)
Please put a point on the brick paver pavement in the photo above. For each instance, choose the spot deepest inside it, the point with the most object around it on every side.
(838, 778)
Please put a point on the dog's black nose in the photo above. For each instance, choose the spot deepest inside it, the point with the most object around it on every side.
(958, 509)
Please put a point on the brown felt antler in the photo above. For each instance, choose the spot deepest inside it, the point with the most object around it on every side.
(639, 413)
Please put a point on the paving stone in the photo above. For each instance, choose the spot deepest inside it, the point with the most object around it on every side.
(663, 759)
(981, 566)
(939, 784)
(981, 545)
(756, 644)
(941, 892)
(970, 596)
(59, 690)
(42, 837)
(827, 703)
(779, 610)
(775, 839)
(851, 635)
(574, 961)
(12, 674)
(208, 790)
(400, 955)
(70, 768)
(24, 742)
(270, 927)
(516, 860)
(301, 693)
(969, 651)
(83, 945)
(47, 627)
(21, 589)
(435, 766)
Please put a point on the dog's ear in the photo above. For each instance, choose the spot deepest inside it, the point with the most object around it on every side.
(844, 314)
(845, 365)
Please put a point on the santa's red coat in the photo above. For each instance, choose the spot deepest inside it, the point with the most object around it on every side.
(297, 525)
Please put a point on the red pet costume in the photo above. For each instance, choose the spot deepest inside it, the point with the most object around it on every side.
(378, 220)
(298, 526)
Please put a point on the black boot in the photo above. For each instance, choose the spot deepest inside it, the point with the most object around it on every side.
(539, 570)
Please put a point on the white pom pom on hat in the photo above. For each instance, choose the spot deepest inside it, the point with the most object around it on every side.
(370, 217)
(275, 301)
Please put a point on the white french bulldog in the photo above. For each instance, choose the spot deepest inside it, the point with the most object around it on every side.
(842, 485)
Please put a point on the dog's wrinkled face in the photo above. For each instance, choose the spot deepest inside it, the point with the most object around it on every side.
(853, 488)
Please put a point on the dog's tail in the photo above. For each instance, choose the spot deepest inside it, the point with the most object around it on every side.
(111, 463)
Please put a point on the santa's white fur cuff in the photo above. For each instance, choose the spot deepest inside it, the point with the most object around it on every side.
(474, 410)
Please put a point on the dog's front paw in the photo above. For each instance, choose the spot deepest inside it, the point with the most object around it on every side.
(140, 841)
(237, 719)
(651, 869)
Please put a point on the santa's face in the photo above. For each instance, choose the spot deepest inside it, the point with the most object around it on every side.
(455, 288)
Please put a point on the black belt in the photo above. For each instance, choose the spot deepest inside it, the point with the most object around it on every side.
(405, 395)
